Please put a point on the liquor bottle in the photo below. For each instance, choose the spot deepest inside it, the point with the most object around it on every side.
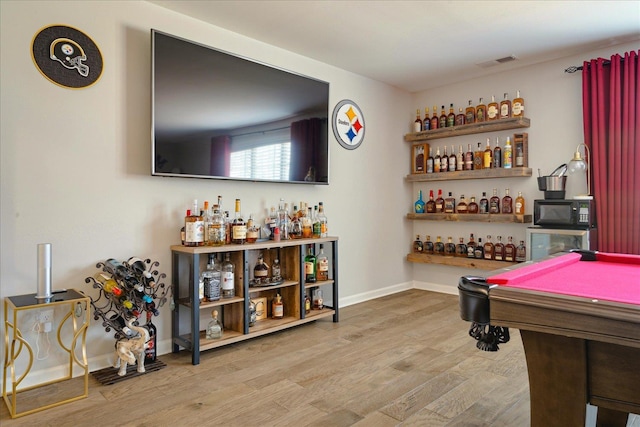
(431, 203)
(451, 117)
(318, 301)
(521, 252)
(487, 156)
(214, 328)
(205, 213)
(276, 271)
(428, 245)
(277, 307)
(322, 265)
(307, 224)
(461, 208)
(450, 204)
(519, 154)
(194, 227)
(417, 124)
(296, 226)
(470, 113)
(252, 230)
(483, 206)
(435, 121)
(519, 204)
(418, 247)
(450, 247)
(310, 266)
(443, 119)
(217, 230)
(510, 251)
(439, 202)
(473, 206)
(460, 117)
(438, 247)
(211, 279)
(507, 159)
(436, 161)
(488, 248)
(497, 154)
(492, 109)
(507, 203)
(498, 250)
(461, 248)
(150, 350)
(307, 304)
(426, 123)
(518, 106)
(505, 107)
(452, 160)
(324, 222)
(430, 161)
(238, 227)
(494, 203)
(460, 159)
(481, 112)
(260, 271)
(468, 159)
(271, 222)
(471, 246)
(317, 226)
(283, 219)
(478, 156)
(227, 226)
(444, 161)
(228, 278)
(419, 204)
(478, 250)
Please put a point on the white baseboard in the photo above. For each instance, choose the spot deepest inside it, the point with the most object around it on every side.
(366, 296)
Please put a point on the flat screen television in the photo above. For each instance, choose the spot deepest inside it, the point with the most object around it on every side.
(218, 115)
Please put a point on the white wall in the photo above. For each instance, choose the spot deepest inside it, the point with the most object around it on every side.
(76, 163)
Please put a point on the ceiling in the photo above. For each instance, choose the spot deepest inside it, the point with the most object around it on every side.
(418, 45)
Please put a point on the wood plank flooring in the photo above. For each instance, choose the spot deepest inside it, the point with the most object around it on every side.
(401, 360)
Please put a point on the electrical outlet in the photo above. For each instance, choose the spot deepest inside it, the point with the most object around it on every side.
(45, 316)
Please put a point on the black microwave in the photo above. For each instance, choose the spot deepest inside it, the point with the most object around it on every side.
(573, 213)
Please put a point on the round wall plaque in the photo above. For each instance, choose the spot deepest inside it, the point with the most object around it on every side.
(348, 124)
(66, 56)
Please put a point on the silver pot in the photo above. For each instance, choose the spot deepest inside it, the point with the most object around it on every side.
(555, 183)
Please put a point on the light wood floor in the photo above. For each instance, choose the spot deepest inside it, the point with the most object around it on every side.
(404, 359)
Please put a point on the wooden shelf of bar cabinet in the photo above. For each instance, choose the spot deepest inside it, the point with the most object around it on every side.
(480, 264)
(518, 172)
(469, 129)
(467, 217)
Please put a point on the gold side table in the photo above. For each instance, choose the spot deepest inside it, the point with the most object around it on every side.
(75, 308)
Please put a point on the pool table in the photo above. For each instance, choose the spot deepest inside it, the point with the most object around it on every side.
(579, 318)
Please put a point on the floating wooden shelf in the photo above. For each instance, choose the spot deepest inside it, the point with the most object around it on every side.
(470, 129)
(474, 174)
(501, 218)
(481, 264)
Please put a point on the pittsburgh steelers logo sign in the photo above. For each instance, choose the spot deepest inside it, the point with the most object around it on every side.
(348, 124)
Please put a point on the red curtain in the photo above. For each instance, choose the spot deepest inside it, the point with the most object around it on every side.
(611, 110)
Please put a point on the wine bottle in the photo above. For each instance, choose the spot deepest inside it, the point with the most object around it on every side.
(150, 351)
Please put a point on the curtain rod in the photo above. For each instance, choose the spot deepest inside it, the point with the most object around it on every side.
(574, 68)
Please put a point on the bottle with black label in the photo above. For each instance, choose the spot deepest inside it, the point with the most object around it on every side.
(150, 351)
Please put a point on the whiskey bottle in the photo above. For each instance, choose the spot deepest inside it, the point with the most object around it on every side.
(444, 161)
(481, 112)
(519, 204)
(318, 300)
(228, 285)
(207, 216)
(460, 159)
(439, 202)
(510, 251)
(494, 203)
(460, 117)
(239, 227)
(324, 222)
(417, 124)
(260, 271)
(307, 304)
(451, 117)
(217, 230)
(507, 159)
(487, 156)
(483, 207)
(478, 251)
(452, 160)
(276, 271)
(507, 203)
(436, 161)
(211, 279)
(468, 159)
(426, 123)
(477, 158)
(310, 266)
(435, 121)
(322, 265)
(252, 230)
(295, 231)
(430, 161)
(470, 113)
(419, 204)
(443, 119)
(461, 248)
(488, 248)
(277, 307)
(521, 252)
(194, 227)
(498, 250)
(418, 247)
(493, 109)
(431, 203)
(450, 247)
(518, 106)
(450, 204)
(307, 224)
(428, 245)
(505, 107)
(214, 328)
(461, 208)
(438, 248)
(497, 154)
(473, 208)
(471, 246)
